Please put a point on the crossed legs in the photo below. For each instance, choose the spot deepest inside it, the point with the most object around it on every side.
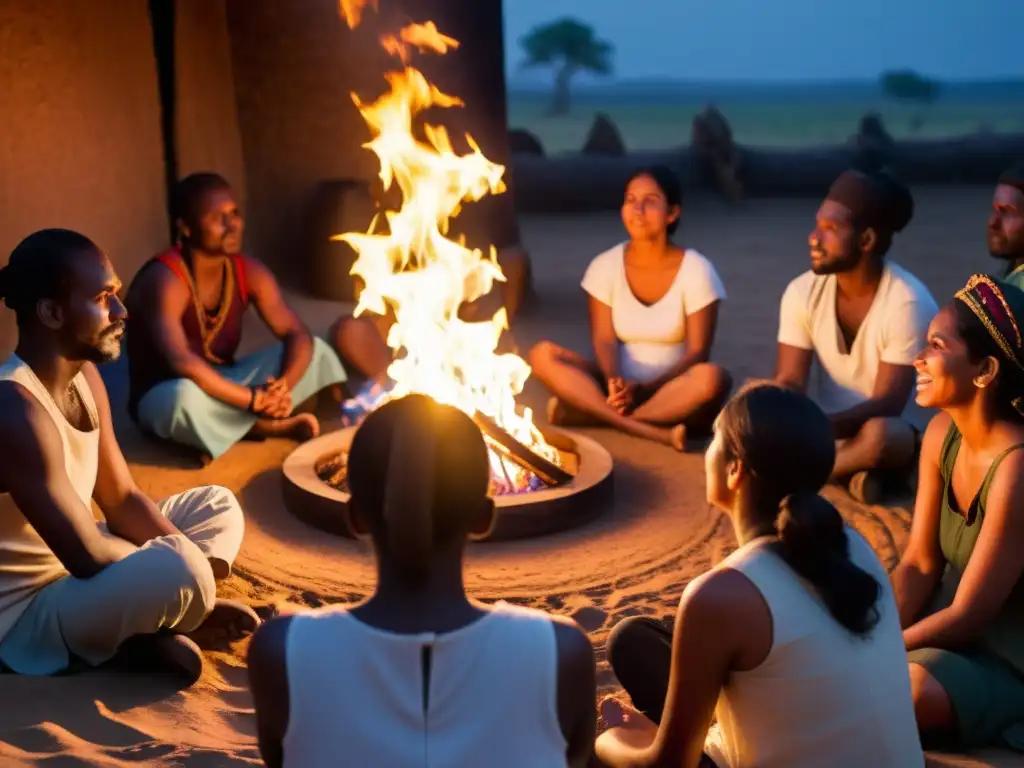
(689, 400)
(881, 448)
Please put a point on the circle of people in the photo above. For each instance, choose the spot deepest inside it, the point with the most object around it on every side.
(799, 649)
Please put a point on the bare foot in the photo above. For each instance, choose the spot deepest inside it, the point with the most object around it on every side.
(160, 653)
(228, 622)
(301, 427)
(678, 437)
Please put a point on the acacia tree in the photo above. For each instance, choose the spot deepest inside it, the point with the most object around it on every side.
(907, 85)
(569, 46)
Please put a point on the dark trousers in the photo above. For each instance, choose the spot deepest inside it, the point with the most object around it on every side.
(640, 654)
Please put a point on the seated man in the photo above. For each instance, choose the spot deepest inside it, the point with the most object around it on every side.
(186, 307)
(1006, 224)
(864, 319)
(72, 590)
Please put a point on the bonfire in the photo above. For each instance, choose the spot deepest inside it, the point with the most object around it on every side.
(423, 276)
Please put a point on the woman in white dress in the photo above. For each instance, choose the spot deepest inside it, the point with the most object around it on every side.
(793, 643)
(653, 313)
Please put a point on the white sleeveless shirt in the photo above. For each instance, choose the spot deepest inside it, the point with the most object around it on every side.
(356, 694)
(27, 564)
(822, 697)
(653, 337)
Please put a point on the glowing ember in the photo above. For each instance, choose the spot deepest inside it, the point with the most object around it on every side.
(423, 276)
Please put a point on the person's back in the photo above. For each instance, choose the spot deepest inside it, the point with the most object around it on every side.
(793, 641)
(822, 696)
(485, 694)
(420, 675)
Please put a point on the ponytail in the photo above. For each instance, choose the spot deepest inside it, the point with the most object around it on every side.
(409, 498)
(812, 541)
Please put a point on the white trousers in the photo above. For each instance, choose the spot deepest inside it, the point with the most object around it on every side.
(167, 583)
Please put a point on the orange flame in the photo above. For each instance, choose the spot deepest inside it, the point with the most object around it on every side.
(422, 37)
(422, 275)
(352, 11)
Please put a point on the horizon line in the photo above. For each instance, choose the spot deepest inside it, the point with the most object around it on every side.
(595, 83)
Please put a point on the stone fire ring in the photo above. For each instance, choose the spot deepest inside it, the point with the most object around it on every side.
(519, 516)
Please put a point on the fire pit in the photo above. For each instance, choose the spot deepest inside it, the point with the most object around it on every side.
(315, 490)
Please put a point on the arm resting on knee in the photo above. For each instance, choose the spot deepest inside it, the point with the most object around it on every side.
(282, 321)
(129, 512)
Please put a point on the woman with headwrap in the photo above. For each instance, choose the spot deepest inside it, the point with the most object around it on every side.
(420, 674)
(958, 585)
(862, 318)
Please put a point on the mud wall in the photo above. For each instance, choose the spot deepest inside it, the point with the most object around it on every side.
(81, 141)
(207, 136)
(295, 65)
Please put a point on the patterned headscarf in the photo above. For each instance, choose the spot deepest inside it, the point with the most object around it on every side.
(1000, 308)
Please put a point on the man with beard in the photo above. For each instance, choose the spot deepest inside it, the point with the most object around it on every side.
(72, 590)
(1006, 224)
(187, 305)
(863, 319)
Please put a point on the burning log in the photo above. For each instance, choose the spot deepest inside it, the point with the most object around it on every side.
(508, 447)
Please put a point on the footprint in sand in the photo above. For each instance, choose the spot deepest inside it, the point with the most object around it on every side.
(590, 618)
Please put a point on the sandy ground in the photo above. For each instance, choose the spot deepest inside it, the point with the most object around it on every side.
(635, 560)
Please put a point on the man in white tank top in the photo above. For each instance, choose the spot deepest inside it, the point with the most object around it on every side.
(74, 591)
(863, 319)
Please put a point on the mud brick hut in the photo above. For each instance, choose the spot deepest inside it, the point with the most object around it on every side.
(105, 102)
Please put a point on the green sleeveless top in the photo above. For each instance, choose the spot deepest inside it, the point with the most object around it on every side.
(958, 533)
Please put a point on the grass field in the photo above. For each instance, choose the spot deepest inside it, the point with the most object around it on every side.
(660, 121)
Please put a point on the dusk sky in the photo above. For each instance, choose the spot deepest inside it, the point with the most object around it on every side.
(789, 39)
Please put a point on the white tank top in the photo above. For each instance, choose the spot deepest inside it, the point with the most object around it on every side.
(356, 694)
(823, 696)
(26, 563)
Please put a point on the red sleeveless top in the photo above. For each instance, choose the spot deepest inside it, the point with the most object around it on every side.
(214, 336)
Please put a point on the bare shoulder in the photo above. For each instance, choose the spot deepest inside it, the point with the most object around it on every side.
(1009, 475)
(256, 268)
(154, 285)
(30, 436)
(18, 408)
(722, 595)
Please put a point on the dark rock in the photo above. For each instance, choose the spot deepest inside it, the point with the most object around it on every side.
(522, 142)
(604, 138)
(874, 145)
(718, 159)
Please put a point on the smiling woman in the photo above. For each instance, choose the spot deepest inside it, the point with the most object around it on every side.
(958, 584)
(653, 314)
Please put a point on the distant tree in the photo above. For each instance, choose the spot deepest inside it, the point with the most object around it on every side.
(569, 46)
(907, 85)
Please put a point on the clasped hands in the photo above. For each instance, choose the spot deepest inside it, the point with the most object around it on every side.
(272, 399)
(624, 395)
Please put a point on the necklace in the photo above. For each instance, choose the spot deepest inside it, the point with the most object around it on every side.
(209, 326)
